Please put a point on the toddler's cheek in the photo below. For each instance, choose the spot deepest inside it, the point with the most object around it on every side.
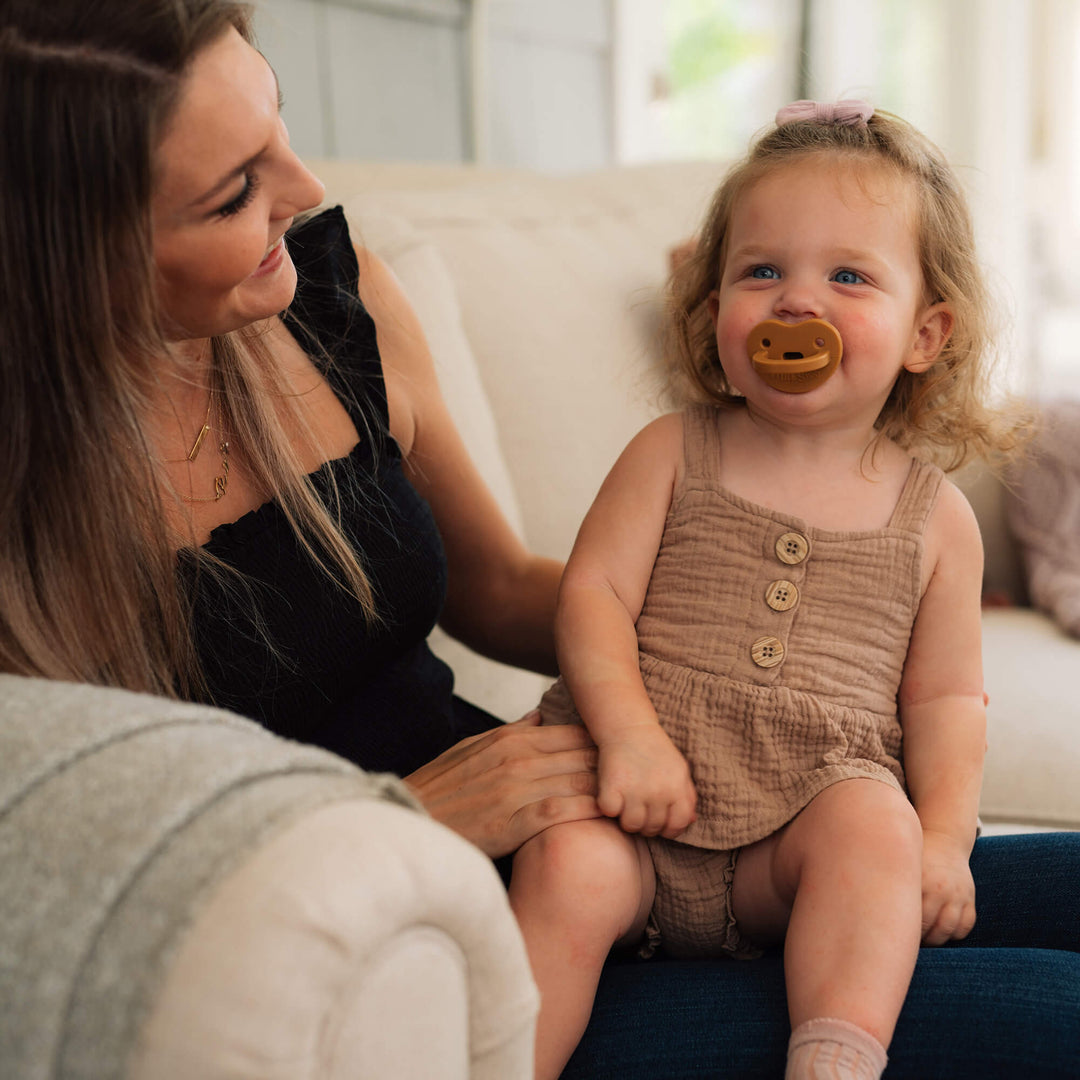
(731, 341)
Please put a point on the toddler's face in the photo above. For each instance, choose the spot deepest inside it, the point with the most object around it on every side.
(820, 239)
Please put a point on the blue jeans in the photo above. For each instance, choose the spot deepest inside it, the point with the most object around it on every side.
(1005, 1002)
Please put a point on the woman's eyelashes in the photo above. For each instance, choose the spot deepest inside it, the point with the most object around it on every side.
(234, 206)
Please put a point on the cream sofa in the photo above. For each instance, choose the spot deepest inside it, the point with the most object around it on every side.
(540, 298)
(251, 909)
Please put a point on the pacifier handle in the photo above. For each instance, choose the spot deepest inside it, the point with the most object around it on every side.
(810, 363)
(795, 357)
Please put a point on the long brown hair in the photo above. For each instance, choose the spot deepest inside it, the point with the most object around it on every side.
(942, 412)
(88, 573)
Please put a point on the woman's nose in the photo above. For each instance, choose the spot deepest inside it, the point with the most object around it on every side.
(301, 192)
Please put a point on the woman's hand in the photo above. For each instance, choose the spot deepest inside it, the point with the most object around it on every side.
(502, 787)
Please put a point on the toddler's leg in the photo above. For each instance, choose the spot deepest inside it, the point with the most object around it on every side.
(845, 880)
(577, 889)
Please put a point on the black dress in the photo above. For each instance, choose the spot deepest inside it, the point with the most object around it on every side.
(373, 693)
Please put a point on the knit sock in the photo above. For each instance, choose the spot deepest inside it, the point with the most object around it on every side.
(827, 1049)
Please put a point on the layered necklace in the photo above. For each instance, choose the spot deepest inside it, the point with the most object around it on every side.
(221, 481)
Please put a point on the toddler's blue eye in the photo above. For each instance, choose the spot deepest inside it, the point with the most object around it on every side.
(764, 273)
(847, 277)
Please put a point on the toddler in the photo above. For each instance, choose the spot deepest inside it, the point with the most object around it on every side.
(772, 588)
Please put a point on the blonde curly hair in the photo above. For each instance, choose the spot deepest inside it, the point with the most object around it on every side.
(941, 412)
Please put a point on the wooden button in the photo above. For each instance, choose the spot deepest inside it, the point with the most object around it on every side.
(767, 652)
(792, 548)
(782, 595)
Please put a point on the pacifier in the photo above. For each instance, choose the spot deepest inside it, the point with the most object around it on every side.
(794, 357)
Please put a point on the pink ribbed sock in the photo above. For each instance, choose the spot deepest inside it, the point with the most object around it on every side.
(827, 1049)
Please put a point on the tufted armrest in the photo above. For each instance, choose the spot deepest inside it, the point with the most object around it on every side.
(186, 895)
(363, 941)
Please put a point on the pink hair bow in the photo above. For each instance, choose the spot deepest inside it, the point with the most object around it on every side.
(850, 112)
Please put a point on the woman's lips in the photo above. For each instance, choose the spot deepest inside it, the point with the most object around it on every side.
(271, 260)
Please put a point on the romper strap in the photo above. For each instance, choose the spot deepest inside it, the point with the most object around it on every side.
(701, 443)
(918, 497)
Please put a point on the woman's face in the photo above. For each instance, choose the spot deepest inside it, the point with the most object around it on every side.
(226, 191)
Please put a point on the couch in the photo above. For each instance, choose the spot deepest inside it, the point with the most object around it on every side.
(540, 296)
(176, 902)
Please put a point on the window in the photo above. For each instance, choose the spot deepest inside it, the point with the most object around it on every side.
(698, 78)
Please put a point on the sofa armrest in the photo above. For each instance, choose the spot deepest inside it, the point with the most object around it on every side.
(187, 895)
(364, 941)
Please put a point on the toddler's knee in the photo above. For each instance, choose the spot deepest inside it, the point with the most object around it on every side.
(588, 864)
(891, 833)
(872, 821)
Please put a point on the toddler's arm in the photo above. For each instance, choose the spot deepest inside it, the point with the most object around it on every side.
(943, 716)
(643, 779)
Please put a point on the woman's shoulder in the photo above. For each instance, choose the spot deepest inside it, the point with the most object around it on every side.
(326, 313)
(329, 320)
(322, 250)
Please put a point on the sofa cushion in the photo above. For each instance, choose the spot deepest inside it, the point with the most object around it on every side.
(506, 692)
(423, 275)
(1033, 720)
(1003, 571)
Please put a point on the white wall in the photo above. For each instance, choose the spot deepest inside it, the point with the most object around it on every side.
(522, 83)
(385, 79)
(549, 100)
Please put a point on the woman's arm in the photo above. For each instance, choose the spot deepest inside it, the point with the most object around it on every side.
(943, 716)
(644, 780)
(503, 787)
(501, 597)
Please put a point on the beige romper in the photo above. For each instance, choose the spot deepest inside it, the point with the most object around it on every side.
(772, 652)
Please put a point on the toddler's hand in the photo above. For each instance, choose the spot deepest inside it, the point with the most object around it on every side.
(645, 782)
(948, 890)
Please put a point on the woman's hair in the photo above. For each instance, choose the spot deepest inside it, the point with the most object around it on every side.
(941, 411)
(89, 584)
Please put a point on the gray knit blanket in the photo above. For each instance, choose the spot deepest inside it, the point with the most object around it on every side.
(119, 813)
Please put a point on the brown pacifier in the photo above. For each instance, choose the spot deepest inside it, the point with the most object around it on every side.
(794, 357)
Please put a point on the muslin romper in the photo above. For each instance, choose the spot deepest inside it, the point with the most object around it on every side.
(772, 652)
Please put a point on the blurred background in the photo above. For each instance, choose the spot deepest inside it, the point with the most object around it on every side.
(572, 85)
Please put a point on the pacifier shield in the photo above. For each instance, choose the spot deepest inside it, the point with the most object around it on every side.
(795, 357)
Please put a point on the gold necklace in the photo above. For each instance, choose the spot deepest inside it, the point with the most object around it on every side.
(193, 453)
(221, 481)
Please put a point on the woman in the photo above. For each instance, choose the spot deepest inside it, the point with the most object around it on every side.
(276, 507)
